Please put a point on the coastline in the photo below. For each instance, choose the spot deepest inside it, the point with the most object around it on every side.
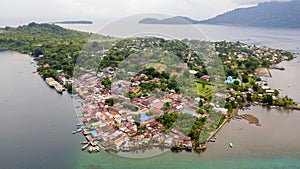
(234, 113)
(274, 154)
(81, 160)
(216, 130)
(204, 146)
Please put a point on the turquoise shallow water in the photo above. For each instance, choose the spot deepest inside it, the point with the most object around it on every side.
(191, 161)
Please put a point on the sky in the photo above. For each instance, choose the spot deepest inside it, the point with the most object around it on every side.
(107, 10)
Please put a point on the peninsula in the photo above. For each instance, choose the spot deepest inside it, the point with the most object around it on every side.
(74, 22)
(179, 101)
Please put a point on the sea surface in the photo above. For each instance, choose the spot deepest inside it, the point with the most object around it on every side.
(36, 122)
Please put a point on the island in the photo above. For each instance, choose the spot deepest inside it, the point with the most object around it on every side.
(74, 22)
(283, 14)
(144, 92)
(173, 20)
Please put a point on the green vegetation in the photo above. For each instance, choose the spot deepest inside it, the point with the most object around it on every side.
(245, 57)
(284, 14)
(131, 95)
(106, 82)
(59, 46)
(93, 120)
(268, 99)
(148, 86)
(167, 120)
(153, 73)
(130, 107)
(136, 118)
(285, 101)
(166, 106)
(141, 130)
(150, 113)
(184, 123)
(109, 102)
(204, 88)
(56, 48)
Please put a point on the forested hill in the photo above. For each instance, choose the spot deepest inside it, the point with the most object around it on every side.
(268, 14)
(31, 37)
(172, 20)
(59, 46)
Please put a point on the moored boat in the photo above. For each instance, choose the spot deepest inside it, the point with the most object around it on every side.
(84, 142)
(85, 146)
(59, 88)
(212, 140)
(126, 149)
(274, 107)
(230, 145)
(79, 125)
(50, 81)
(53, 83)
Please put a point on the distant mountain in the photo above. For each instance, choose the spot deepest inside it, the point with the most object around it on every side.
(173, 20)
(268, 14)
(74, 22)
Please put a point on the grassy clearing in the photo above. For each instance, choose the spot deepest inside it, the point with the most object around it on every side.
(204, 89)
(160, 67)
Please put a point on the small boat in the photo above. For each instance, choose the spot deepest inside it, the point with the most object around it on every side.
(230, 145)
(212, 140)
(74, 95)
(50, 81)
(79, 130)
(246, 108)
(84, 142)
(239, 118)
(85, 146)
(273, 107)
(79, 125)
(126, 149)
(241, 128)
(74, 132)
(59, 88)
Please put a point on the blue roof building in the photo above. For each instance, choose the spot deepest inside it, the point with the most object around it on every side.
(101, 75)
(229, 80)
(94, 133)
(188, 112)
(144, 117)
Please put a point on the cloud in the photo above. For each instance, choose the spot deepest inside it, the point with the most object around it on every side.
(255, 2)
(45, 10)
